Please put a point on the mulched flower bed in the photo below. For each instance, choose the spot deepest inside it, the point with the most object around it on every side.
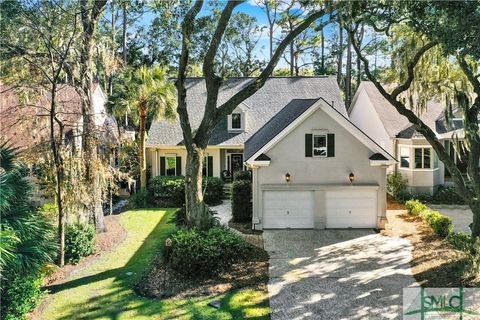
(163, 282)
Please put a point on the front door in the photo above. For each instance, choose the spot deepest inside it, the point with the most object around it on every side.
(236, 162)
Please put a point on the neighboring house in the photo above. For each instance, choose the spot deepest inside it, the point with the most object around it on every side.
(295, 129)
(25, 123)
(417, 161)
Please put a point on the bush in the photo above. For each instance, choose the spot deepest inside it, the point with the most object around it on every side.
(21, 295)
(472, 268)
(242, 175)
(168, 189)
(49, 211)
(447, 195)
(396, 184)
(140, 199)
(242, 201)
(404, 196)
(460, 241)
(197, 253)
(79, 242)
(172, 190)
(415, 207)
(442, 225)
(213, 190)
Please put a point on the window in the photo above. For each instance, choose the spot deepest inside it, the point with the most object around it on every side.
(171, 166)
(320, 145)
(205, 172)
(236, 121)
(422, 158)
(405, 157)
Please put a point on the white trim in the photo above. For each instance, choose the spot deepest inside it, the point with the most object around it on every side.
(379, 163)
(335, 115)
(258, 163)
(168, 146)
(419, 170)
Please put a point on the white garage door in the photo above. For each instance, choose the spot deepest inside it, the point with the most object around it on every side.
(351, 209)
(287, 209)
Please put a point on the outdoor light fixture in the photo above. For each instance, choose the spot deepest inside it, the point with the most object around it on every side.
(287, 177)
(351, 177)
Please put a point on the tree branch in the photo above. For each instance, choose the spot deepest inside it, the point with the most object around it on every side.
(411, 116)
(258, 82)
(187, 27)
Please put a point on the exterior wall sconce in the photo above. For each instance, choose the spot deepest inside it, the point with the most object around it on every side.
(287, 177)
(351, 177)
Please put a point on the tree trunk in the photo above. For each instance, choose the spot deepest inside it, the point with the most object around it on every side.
(475, 207)
(292, 59)
(197, 217)
(348, 75)
(141, 151)
(124, 34)
(59, 175)
(340, 54)
(322, 58)
(90, 15)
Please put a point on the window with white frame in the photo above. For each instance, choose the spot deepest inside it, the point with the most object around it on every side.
(320, 145)
(404, 157)
(236, 121)
(423, 158)
(171, 165)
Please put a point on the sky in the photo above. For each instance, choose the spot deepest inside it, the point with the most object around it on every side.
(251, 8)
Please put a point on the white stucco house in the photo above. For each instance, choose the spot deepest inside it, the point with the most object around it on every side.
(311, 166)
(417, 160)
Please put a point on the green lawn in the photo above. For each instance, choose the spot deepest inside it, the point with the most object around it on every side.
(102, 290)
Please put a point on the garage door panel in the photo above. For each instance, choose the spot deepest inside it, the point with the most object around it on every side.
(351, 209)
(287, 209)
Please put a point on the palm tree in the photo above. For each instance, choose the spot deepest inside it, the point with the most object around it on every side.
(149, 94)
(28, 240)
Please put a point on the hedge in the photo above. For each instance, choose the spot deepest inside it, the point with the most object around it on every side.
(242, 175)
(441, 225)
(79, 242)
(197, 253)
(172, 190)
(415, 207)
(21, 295)
(242, 201)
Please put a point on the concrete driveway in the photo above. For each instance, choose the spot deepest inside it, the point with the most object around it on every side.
(337, 274)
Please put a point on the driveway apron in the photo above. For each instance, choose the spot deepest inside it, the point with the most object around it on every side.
(337, 274)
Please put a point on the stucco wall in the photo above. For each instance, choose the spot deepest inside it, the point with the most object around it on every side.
(351, 155)
(364, 116)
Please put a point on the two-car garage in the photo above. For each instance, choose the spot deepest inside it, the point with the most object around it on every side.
(320, 208)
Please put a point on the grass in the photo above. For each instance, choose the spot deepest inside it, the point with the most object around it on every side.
(103, 290)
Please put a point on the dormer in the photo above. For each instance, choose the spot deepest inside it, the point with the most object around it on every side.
(237, 120)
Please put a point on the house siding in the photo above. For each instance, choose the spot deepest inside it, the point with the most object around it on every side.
(319, 174)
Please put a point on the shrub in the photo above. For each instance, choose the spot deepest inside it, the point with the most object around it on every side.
(460, 241)
(172, 190)
(140, 199)
(197, 253)
(472, 268)
(242, 201)
(396, 183)
(415, 207)
(168, 189)
(403, 196)
(442, 225)
(79, 242)
(447, 195)
(21, 295)
(213, 190)
(242, 175)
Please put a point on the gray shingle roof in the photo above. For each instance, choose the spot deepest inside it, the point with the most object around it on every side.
(276, 125)
(395, 124)
(259, 108)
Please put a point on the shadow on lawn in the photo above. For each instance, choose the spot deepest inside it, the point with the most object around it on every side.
(116, 298)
